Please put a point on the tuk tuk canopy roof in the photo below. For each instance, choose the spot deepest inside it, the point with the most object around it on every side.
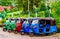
(49, 18)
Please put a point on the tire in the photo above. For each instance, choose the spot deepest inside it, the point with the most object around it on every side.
(31, 34)
(4, 29)
(15, 32)
(47, 34)
(22, 33)
(54, 33)
(9, 31)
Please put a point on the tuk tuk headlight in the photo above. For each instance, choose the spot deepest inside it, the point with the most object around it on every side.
(35, 27)
(4, 25)
(26, 26)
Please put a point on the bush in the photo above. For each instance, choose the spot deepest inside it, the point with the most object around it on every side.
(57, 21)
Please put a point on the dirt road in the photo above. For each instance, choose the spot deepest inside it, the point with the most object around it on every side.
(6, 35)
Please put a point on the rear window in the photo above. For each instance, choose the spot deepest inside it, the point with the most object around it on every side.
(42, 21)
(48, 22)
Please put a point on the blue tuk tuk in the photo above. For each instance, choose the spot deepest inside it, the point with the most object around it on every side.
(43, 26)
(25, 26)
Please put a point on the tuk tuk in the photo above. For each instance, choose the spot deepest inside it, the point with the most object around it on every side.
(6, 24)
(12, 25)
(18, 26)
(43, 26)
(25, 26)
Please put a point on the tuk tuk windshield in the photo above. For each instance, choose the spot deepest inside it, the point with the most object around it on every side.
(35, 22)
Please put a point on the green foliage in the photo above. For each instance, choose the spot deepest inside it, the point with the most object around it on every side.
(43, 7)
(56, 6)
(47, 13)
(41, 14)
(22, 6)
(57, 21)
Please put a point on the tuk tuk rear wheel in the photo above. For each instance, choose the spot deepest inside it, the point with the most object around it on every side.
(9, 31)
(22, 33)
(4, 29)
(31, 34)
(15, 32)
(54, 33)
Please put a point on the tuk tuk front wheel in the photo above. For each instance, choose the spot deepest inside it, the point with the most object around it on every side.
(22, 33)
(31, 34)
(15, 32)
(9, 31)
(4, 29)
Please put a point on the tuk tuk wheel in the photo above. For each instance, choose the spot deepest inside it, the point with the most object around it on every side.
(9, 31)
(31, 34)
(15, 32)
(4, 29)
(54, 33)
(22, 33)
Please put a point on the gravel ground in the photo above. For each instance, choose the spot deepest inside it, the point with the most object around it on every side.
(6, 35)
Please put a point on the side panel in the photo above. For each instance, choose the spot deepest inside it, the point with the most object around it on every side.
(53, 29)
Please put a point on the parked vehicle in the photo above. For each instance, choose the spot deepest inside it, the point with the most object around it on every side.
(34, 28)
(25, 26)
(50, 26)
(18, 26)
(43, 26)
(6, 25)
(12, 25)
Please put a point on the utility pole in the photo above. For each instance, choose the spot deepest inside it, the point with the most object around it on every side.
(28, 10)
(36, 10)
(36, 14)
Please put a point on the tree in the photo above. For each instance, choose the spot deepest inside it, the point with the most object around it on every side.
(56, 7)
